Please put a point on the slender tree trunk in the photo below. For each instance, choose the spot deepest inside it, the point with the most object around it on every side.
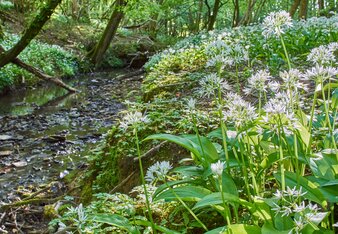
(235, 18)
(40, 74)
(248, 14)
(33, 30)
(213, 16)
(303, 9)
(199, 15)
(258, 11)
(294, 7)
(320, 6)
(96, 54)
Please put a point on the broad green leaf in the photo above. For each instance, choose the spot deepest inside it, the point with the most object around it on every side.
(268, 228)
(180, 140)
(228, 184)
(329, 188)
(261, 210)
(163, 187)
(216, 199)
(189, 171)
(334, 99)
(244, 229)
(219, 230)
(117, 221)
(312, 191)
(205, 151)
(186, 193)
(304, 134)
(207, 148)
(157, 227)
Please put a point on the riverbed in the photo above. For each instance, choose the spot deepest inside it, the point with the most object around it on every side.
(45, 133)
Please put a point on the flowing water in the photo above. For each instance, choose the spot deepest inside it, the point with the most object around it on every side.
(45, 133)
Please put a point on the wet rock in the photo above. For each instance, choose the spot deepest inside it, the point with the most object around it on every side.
(5, 153)
(20, 164)
(6, 137)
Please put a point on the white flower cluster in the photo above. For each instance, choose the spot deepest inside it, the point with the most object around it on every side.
(323, 55)
(211, 84)
(133, 119)
(275, 23)
(291, 203)
(223, 54)
(217, 168)
(320, 74)
(258, 82)
(292, 80)
(238, 111)
(158, 171)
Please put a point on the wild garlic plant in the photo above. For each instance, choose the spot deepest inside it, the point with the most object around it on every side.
(275, 24)
(159, 173)
(295, 212)
(223, 54)
(133, 120)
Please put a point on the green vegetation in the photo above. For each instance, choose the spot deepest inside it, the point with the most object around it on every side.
(236, 127)
(255, 108)
(51, 59)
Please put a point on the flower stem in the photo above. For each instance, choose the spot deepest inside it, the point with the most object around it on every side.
(144, 183)
(185, 206)
(226, 207)
(286, 52)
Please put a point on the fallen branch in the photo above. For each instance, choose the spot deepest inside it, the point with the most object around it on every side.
(131, 74)
(152, 151)
(40, 74)
(29, 202)
(122, 183)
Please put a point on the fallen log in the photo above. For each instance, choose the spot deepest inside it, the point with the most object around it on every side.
(40, 74)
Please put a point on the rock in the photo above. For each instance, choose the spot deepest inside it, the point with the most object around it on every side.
(5, 137)
(20, 164)
(5, 153)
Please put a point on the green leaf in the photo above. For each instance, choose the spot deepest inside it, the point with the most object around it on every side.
(216, 199)
(261, 210)
(268, 228)
(218, 230)
(228, 184)
(182, 141)
(163, 187)
(205, 153)
(207, 147)
(312, 191)
(244, 229)
(157, 227)
(117, 221)
(304, 134)
(186, 193)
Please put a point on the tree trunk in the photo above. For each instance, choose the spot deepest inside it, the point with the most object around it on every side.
(33, 30)
(303, 9)
(259, 10)
(96, 54)
(199, 16)
(235, 18)
(320, 6)
(248, 14)
(294, 7)
(40, 74)
(213, 16)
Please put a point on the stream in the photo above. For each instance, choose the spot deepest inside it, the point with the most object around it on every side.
(45, 134)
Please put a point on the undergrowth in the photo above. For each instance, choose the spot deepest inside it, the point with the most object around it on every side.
(51, 59)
